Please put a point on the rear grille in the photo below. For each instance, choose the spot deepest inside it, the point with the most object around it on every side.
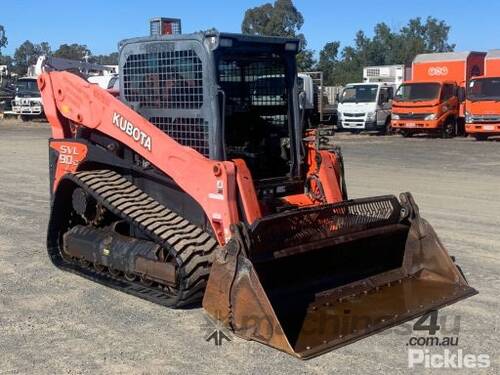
(302, 226)
(169, 79)
(413, 116)
(191, 132)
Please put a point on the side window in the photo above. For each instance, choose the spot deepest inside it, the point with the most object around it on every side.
(448, 92)
(300, 84)
(390, 93)
(386, 93)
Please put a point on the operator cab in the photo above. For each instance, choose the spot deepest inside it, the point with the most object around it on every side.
(227, 96)
(256, 86)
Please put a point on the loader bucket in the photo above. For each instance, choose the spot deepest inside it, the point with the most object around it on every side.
(311, 280)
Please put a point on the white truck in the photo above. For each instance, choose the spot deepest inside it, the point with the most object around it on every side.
(368, 105)
(27, 103)
(314, 102)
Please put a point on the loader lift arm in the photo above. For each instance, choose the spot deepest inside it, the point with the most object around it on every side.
(70, 99)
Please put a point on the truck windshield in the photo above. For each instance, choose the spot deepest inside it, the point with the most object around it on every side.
(417, 92)
(484, 89)
(27, 86)
(359, 94)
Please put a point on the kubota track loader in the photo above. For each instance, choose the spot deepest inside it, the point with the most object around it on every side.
(199, 183)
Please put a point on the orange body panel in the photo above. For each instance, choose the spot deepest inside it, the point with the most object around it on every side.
(217, 184)
(442, 110)
(70, 155)
(246, 188)
(486, 108)
(492, 67)
(88, 105)
(459, 71)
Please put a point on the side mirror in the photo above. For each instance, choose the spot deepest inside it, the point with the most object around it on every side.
(461, 94)
(302, 100)
(337, 97)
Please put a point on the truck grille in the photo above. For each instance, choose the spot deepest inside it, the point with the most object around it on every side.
(485, 118)
(413, 116)
(354, 115)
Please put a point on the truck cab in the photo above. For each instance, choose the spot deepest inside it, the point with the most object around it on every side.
(482, 116)
(28, 101)
(433, 100)
(429, 106)
(365, 106)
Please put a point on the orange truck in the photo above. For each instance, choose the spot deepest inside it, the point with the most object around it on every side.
(482, 116)
(433, 101)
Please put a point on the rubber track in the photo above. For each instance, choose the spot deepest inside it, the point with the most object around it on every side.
(191, 247)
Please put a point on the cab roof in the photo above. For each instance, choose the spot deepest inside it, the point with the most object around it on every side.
(493, 54)
(444, 56)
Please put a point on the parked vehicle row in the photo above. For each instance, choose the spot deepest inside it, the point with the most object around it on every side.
(449, 94)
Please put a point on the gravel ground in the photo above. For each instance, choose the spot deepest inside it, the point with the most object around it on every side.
(55, 322)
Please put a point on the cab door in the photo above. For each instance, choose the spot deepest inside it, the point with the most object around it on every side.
(384, 104)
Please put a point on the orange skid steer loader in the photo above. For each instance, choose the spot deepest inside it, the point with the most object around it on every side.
(198, 184)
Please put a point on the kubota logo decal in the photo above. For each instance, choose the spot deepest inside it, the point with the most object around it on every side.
(438, 71)
(132, 131)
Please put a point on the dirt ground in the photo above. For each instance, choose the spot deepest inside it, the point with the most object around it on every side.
(54, 322)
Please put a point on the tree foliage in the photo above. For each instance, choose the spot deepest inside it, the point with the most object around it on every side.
(73, 51)
(111, 59)
(279, 19)
(27, 54)
(3, 38)
(386, 47)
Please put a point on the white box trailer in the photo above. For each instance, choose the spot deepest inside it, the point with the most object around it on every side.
(395, 74)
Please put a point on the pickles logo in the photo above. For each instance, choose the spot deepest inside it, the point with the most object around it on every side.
(438, 71)
(132, 131)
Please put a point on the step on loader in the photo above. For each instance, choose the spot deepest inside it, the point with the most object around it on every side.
(198, 184)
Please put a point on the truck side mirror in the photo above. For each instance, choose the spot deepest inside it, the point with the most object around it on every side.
(337, 98)
(461, 94)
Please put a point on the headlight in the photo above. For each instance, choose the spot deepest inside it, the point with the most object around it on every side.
(395, 116)
(468, 118)
(370, 116)
(430, 117)
(339, 115)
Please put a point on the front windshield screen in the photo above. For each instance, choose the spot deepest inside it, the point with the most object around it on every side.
(359, 94)
(27, 85)
(484, 89)
(415, 92)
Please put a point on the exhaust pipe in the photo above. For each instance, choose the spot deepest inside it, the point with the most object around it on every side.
(311, 280)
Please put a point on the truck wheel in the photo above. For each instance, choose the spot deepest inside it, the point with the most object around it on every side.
(406, 133)
(449, 129)
(25, 118)
(480, 137)
(388, 130)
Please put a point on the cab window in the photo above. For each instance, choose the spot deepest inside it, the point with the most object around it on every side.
(386, 94)
(448, 92)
